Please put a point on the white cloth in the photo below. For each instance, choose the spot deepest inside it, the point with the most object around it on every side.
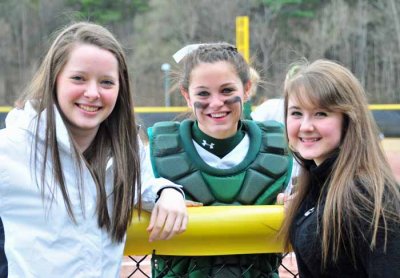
(230, 160)
(40, 238)
(271, 109)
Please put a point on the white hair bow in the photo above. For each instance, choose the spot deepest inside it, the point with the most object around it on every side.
(181, 53)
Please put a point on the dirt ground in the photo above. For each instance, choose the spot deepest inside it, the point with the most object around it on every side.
(392, 149)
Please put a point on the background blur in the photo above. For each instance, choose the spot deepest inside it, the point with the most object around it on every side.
(363, 35)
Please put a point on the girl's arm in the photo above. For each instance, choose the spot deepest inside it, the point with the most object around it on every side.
(164, 199)
(382, 262)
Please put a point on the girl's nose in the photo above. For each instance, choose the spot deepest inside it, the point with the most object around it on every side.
(306, 124)
(92, 91)
(217, 101)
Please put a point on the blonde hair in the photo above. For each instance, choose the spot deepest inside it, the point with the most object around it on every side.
(361, 186)
(255, 79)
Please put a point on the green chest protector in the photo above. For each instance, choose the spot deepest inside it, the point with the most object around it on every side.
(254, 181)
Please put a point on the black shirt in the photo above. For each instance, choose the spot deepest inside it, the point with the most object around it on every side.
(306, 239)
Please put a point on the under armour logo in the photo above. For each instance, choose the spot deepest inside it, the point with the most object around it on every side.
(211, 145)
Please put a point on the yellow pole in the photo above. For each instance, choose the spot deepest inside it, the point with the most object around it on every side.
(230, 230)
(242, 36)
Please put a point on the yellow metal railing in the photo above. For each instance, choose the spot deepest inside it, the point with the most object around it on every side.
(214, 230)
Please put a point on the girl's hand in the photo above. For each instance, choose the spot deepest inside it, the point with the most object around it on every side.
(284, 199)
(280, 199)
(193, 204)
(169, 216)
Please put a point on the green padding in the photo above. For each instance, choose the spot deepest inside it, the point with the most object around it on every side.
(275, 142)
(271, 126)
(255, 137)
(226, 188)
(272, 164)
(196, 189)
(269, 197)
(172, 167)
(165, 144)
(229, 266)
(165, 127)
(254, 185)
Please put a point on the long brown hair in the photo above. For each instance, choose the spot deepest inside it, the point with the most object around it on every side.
(116, 138)
(361, 186)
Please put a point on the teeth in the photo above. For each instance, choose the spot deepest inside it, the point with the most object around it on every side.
(88, 108)
(218, 115)
(309, 140)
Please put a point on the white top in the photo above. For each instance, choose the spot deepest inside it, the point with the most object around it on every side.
(233, 158)
(271, 109)
(40, 238)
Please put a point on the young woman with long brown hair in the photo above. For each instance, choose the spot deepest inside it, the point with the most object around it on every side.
(73, 167)
(344, 219)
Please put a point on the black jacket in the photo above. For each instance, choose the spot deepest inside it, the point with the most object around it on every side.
(3, 259)
(306, 237)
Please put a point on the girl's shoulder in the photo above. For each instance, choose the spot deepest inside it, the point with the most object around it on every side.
(13, 137)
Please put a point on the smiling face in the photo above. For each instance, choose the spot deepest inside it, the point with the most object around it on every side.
(313, 132)
(216, 95)
(87, 90)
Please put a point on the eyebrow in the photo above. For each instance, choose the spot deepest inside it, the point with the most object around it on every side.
(78, 71)
(230, 83)
(222, 85)
(200, 87)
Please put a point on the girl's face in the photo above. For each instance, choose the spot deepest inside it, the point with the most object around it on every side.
(216, 95)
(87, 89)
(312, 131)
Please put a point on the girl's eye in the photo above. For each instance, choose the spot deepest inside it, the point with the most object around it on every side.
(203, 94)
(107, 83)
(321, 114)
(295, 113)
(77, 78)
(227, 90)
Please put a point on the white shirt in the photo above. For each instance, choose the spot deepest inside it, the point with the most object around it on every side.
(230, 160)
(40, 238)
(271, 109)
